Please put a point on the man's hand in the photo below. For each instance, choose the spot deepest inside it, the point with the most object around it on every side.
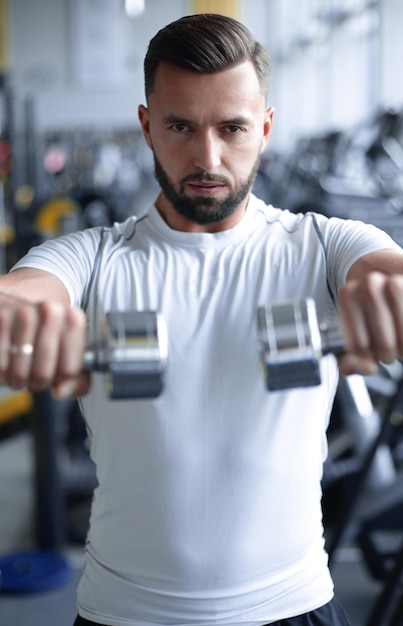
(42, 346)
(371, 320)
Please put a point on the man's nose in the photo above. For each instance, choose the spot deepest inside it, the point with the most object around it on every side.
(207, 151)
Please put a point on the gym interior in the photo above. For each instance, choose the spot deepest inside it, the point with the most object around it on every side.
(72, 157)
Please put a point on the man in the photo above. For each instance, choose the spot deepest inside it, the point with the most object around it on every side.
(208, 505)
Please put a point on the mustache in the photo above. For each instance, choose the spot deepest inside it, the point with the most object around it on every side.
(198, 177)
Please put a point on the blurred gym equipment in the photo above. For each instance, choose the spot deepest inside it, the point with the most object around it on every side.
(355, 173)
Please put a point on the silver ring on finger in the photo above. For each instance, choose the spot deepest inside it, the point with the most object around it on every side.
(26, 349)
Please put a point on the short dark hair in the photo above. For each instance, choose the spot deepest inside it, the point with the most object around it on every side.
(205, 43)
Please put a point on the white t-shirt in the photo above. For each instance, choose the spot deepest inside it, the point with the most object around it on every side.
(208, 509)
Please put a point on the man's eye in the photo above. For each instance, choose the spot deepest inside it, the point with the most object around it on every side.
(179, 127)
(233, 129)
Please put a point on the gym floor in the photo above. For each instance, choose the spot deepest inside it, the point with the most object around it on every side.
(355, 588)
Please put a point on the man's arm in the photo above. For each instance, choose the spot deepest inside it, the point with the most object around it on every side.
(35, 311)
(33, 285)
(371, 312)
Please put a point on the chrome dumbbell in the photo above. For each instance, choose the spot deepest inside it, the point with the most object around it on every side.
(292, 341)
(133, 350)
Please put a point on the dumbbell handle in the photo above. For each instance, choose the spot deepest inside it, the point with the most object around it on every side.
(133, 350)
(292, 341)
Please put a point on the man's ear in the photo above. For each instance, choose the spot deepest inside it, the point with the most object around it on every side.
(144, 119)
(267, 126)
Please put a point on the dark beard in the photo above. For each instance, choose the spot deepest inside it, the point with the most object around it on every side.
(203, 210)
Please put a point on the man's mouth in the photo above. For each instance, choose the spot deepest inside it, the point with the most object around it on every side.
(206, 187)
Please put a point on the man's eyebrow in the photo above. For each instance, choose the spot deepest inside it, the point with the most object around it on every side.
(170, 118)
(236, 121)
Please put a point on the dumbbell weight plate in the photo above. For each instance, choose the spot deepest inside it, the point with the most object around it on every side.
(134, 353)
(289, 344)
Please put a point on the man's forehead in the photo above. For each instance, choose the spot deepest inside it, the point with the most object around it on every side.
(240, 71)
(236, 84)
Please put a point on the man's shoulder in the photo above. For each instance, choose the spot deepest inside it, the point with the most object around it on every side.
(289, 220)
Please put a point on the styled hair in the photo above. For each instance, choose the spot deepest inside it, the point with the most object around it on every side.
(206, 43)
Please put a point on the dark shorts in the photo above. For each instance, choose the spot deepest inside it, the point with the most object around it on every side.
(330, 614)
